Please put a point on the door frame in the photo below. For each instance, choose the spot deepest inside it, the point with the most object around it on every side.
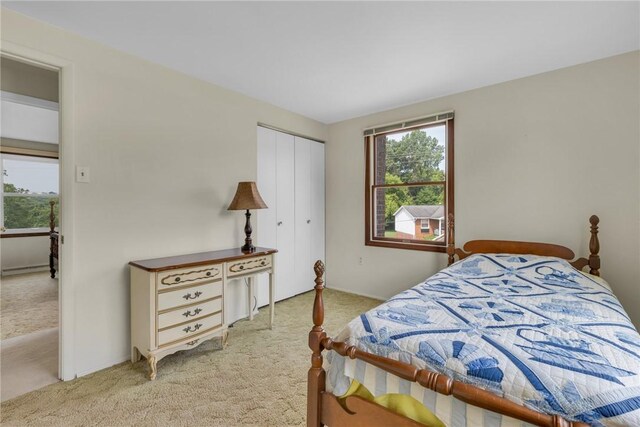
(66, 159)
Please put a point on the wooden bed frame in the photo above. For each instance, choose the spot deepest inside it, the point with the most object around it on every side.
(53, 237)
(323, 408)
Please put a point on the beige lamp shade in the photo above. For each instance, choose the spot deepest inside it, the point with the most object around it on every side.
(247, 197)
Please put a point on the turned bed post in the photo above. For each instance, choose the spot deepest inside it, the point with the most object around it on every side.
(316, 375)
(52, 240)
(594, 247)
(451, 247)
(52, 216)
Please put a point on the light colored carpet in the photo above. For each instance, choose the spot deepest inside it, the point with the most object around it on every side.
(28, 303)
(28, 362)
(259, 379)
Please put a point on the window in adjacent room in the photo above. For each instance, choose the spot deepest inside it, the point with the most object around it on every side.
(29, 184)
(409, 183)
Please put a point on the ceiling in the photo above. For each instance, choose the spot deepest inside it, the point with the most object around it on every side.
(336, 60)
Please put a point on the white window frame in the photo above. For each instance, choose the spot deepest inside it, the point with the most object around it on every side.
(9, 231)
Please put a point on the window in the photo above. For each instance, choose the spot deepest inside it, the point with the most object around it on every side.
(28, 185)
(409, 183)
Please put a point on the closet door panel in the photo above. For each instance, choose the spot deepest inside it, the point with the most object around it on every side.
(317, 203)
(285, 216)
(266, 218)
(303, 264)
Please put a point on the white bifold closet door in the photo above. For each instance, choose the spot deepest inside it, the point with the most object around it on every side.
(266, 218)
(303, 265)
(291, 182)
(317, 205)
(285, 214)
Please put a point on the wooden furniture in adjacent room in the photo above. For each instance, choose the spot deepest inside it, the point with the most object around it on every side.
(53, 237)
(290, 178)
(178, 302)
(324, 408)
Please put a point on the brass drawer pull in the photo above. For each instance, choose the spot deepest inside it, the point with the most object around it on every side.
(208, 273)
(194, 342)
(263, 263)
(195, 328)
(188, 296)
(177, 279)
(195, 312)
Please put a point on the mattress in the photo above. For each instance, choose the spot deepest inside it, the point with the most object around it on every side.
(531, 329)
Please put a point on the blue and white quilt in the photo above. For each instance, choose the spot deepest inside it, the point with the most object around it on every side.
(532, 329)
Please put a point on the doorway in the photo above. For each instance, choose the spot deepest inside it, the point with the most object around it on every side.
(29, 221)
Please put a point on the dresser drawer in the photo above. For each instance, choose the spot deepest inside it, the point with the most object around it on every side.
(186, 330)
(188, 276)
(190, 312)
(189, 295)
(242, 267)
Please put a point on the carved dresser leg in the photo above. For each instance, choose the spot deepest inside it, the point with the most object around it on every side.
(225, 336)
(153, 370)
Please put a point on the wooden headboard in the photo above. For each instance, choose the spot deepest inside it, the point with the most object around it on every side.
(530, 248)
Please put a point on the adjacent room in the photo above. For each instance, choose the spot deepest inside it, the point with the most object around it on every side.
(30, 209)
(368, 213)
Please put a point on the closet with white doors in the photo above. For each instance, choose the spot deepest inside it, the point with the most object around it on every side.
(291, 182)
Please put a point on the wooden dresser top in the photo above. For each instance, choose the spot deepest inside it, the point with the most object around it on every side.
(202, 258)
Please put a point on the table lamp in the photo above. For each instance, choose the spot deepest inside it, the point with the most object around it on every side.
(247, 197)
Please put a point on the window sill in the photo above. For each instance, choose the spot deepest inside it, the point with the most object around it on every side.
(411, 246)
(24, 233)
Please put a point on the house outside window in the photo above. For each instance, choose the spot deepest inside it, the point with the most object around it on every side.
(409, 183)
(29, 184)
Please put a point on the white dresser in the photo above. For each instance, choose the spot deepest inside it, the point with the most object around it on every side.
(178, 302)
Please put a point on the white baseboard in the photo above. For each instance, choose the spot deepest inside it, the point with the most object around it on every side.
(107, 365)
(362, 294)
(23, 270)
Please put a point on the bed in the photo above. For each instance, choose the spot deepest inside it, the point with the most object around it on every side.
(53, 240)
(511, 334)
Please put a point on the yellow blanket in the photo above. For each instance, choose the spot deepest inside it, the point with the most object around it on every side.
(398, 403)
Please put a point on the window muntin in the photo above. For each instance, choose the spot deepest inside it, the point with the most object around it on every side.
(28, 185)
(409, 179)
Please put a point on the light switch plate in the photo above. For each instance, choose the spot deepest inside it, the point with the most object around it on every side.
(82, 173)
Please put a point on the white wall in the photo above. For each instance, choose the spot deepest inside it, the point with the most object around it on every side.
(534, 158)
(24, 252)
(166, 152)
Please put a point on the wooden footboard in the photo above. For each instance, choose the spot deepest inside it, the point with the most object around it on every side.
(358, 412)
(323, 408)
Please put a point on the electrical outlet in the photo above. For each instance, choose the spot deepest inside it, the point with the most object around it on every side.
(360, 261)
